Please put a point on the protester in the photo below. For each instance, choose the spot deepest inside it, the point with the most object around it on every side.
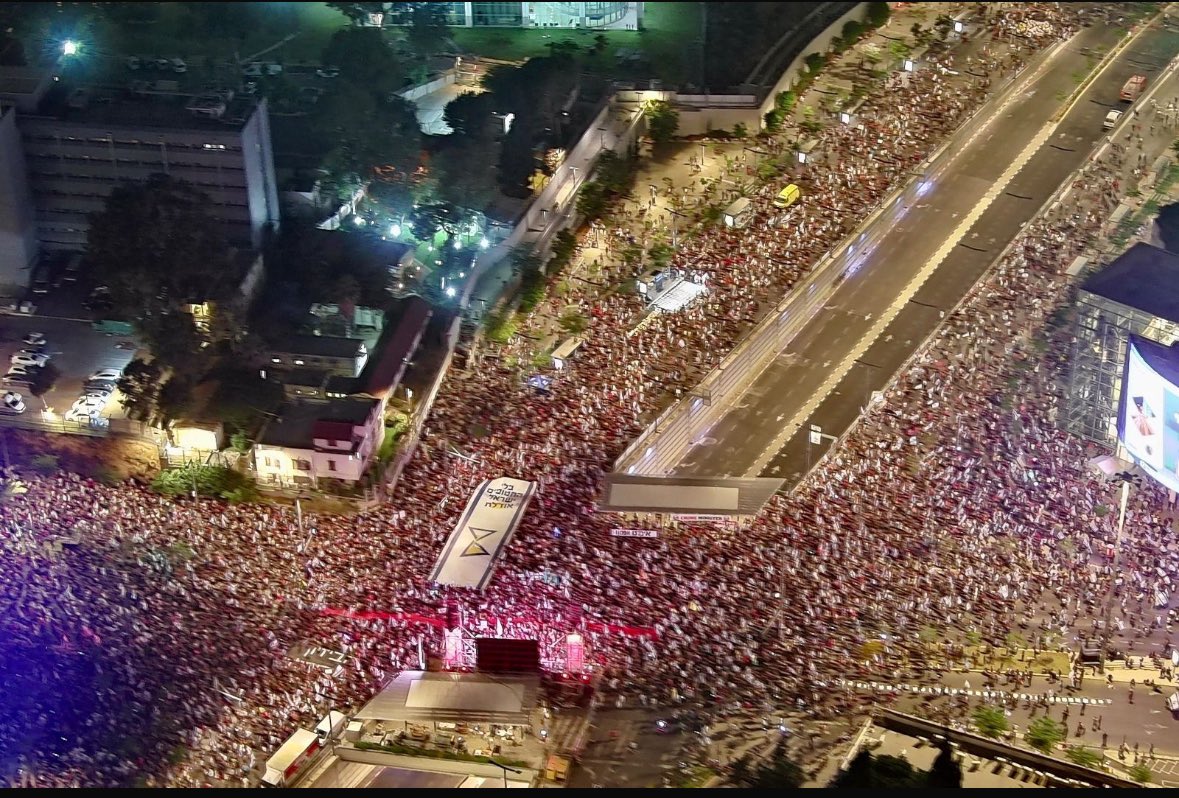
(137, 628)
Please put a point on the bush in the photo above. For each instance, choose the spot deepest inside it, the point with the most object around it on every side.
(784, 101)
(501, 327)
(740, 131)
(215, 481)
(878, 14)
(1141, 773)
(1085, 757)
(851, 32)
(1044, 734)
(773, 119)
(814, 62)
(990, 721)
(531, 291)
(662, 121)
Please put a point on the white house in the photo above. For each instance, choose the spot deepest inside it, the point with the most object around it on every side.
(313, 440)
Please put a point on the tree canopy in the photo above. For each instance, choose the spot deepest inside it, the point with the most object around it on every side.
(158, 247)
(365, 59)
(662, 121)
(369, 132)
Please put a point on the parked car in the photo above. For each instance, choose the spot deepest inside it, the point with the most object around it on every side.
(34, 339)
(97, 392)
(91, 404)
(12, 409)
(328, 72)
(273, 69)
(133, 62)
(20, 380)
(80, 414)
(12, 398)
(27, 358)
(250, 88)
(178, 66)
(252, 70)
(106, 374)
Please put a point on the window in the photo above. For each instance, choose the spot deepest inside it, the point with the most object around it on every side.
(331, 465)
(298, 362)
(267, 461)
(303, 465)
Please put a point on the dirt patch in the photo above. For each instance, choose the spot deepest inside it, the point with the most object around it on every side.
(113, 457)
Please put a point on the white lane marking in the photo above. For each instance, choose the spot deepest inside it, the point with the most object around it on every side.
(910, 290)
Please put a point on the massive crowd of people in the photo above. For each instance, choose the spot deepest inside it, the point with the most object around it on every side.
(145, 639)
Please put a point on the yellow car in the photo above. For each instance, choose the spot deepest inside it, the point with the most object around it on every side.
(787, 196)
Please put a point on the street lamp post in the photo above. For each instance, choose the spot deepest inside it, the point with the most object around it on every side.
(504, 768)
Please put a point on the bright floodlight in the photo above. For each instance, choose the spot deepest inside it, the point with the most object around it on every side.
(450, 291)
(484, 243)
(395, 231)
(69, 47)
(458, 244)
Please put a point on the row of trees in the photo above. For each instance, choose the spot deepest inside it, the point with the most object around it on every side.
(865, 770)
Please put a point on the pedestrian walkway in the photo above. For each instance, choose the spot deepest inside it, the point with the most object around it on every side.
(925, 689)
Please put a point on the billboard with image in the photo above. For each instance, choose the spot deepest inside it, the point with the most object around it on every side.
(1148, 410)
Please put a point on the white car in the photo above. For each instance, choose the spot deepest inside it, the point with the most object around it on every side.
(178, 65)
(98, 391)
(91, 404)
(34, 339)
(79, 414)
(328, 72)
(106, 374)
(27, 358)
(12, 409)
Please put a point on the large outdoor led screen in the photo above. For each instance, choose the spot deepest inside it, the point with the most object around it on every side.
(1148, 411)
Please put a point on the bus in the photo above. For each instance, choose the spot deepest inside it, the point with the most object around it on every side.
(738, 213)
(1132, 90)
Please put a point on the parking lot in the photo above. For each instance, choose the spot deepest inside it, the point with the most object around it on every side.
(76, 350)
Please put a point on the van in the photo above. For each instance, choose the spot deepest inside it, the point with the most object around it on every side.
(787, 196)
(1111, 119)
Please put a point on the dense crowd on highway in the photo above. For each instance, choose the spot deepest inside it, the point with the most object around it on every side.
(137, 626)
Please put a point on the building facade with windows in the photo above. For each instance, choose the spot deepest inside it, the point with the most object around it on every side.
(310, 441)
(533, 15)
(77, 152)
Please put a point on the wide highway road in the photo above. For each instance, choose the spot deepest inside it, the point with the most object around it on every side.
(968, 214)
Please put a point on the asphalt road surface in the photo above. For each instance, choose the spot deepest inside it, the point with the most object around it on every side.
(752, 438)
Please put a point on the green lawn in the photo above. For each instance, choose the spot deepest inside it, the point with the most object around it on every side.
(178, 31)
(669, 43)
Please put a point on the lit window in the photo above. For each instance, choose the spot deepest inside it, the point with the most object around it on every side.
(276, 360)
(298, 362)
